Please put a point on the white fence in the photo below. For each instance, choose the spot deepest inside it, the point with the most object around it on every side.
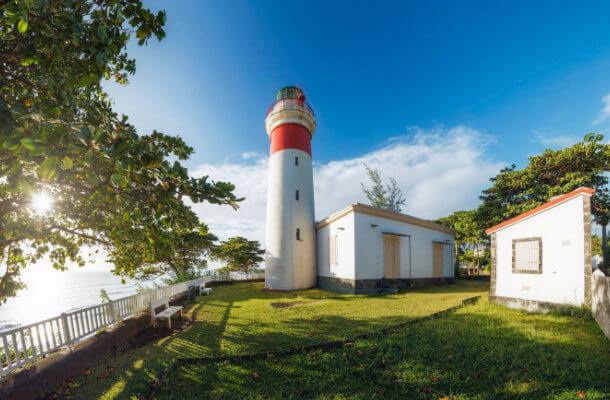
(22, 345)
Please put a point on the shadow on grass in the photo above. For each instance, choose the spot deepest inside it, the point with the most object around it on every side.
(238, 319)
(482, 351)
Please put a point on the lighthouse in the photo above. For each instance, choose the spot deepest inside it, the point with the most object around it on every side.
(290, 242)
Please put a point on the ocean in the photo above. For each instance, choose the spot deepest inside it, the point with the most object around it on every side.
(50, 293)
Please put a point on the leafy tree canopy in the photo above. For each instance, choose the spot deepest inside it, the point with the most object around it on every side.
(60, 136)
(239, 254)
(554, 172)
(388, 197)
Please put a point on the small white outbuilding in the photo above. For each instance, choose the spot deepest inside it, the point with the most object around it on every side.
(364, 249)
(542, 258)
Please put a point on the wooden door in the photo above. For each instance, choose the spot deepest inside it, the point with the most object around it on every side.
(438, 259)
(391, 256)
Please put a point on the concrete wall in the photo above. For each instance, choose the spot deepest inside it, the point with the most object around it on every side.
(344, 228)
(290, 263)
(562, 280)
(600, 300)
(417, 264)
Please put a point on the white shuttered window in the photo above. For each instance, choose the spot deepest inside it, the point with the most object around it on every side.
(333, 247)
(527, 255)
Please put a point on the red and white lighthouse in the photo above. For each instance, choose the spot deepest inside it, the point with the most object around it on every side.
(290, 248)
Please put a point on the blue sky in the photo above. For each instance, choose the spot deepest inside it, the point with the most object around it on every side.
(449, 91)
(518, 73)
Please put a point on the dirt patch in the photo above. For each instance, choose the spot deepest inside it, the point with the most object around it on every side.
(287, 304)
(153, 334)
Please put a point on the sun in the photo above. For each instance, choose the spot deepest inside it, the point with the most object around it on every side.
(42, 203)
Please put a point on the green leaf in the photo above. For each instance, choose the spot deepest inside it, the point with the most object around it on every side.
(86, 80)
(48, 168)
(22, 26)
(11, 145)
(141, 33)
(28, 143)
(26, 62)
(116, 180)
(67, 163)
(26, 186)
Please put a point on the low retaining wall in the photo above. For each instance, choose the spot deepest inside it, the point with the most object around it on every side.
(372, 286)
(600, 300)
(528, 305)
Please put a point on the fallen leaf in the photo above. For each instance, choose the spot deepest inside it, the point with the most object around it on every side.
(581, 394)
(104, 375)
(86, 371)
(359, 352)
(255, 375)
(348, 344)
(426, 389)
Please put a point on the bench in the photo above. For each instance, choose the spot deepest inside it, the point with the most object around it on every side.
(166, 313)
(204, 290)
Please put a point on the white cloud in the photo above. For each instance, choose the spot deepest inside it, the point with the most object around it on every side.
(439, 171)
(555, 141)
(605, 112)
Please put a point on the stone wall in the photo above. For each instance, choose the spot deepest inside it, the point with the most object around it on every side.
(600, 300)
(372, 286)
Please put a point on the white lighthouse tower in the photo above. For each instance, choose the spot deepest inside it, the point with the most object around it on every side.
(290, 256)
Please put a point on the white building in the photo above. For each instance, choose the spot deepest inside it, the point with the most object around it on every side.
(363, 249)
(543, 257)
(358, 249)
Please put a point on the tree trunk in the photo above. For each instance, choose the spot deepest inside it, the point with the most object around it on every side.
(604, 246)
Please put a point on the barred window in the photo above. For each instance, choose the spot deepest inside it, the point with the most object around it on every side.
(527, 255)
(333, 249)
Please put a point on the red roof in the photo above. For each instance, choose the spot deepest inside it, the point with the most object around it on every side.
(539, 209)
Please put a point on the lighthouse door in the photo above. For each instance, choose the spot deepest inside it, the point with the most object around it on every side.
(391, 256)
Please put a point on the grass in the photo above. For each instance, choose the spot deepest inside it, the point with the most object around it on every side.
(481, 351)
(240, 319)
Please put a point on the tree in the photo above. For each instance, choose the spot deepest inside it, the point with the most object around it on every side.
(468, 236)
(59, 136)
(180, 255)
(596, 245)
(552, 173)
(388, 197)
(239, 254)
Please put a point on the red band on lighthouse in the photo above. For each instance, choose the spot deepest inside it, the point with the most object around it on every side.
(291, 136)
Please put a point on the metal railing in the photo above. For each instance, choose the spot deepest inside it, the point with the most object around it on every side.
(290, 104)
(21, 346)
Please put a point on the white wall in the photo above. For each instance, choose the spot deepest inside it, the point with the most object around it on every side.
(344, 227)
(562, 280)
(369, 248)
(290, 263)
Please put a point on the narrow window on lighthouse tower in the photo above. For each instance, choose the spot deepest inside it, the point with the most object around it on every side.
(298, 234)
(297, 195)
(296, 161)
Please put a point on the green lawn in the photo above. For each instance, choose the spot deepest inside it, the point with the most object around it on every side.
(242, 319)
(481, 351)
